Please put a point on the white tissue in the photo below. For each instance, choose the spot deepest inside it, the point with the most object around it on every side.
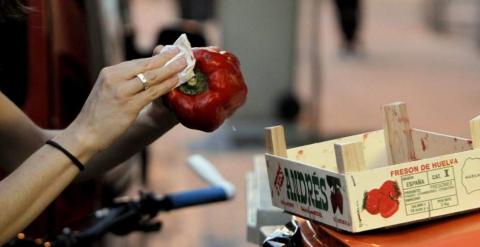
(185, 51)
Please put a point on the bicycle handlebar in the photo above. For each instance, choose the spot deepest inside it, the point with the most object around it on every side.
(197, 197)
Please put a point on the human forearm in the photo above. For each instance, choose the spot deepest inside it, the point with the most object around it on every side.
(27, 191)
(19, 136)
(152, 123)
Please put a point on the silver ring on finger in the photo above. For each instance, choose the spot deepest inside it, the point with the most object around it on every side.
(143, 80)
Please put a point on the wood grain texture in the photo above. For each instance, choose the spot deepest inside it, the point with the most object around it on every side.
(349, 156)
(475, 131)
(398, 135)
(275, 141)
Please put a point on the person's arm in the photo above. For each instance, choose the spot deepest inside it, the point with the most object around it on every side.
(43, 172)
(27, 191)
(152, 123)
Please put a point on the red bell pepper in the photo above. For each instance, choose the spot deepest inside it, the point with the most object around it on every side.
(213, 94)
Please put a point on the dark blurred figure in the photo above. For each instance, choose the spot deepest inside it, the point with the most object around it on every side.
(349, 19)
(131, 51)
(199, 10)
(192, 13)
(13, 47)
(288, 108)
(191, 28)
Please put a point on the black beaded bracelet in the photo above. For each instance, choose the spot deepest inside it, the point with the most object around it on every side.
(74, 159)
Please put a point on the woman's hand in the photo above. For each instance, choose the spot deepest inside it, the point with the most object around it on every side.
(157, 110)
(118, 96)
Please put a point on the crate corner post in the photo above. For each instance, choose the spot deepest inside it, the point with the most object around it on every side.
(275, 141)
(398, 133)
(349, 156)
(475, 132)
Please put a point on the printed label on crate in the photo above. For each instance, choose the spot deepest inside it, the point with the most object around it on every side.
(306, 191)
(417, 190)
(429, 190)
(428, 186)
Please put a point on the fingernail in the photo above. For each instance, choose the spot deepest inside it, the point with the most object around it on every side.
(170, 49)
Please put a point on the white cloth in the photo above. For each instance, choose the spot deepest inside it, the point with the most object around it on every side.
(185, 51)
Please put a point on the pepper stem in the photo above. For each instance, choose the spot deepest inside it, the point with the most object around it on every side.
(196, 85)
(192, 81)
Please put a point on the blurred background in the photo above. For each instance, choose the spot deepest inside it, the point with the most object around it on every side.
(322, 68)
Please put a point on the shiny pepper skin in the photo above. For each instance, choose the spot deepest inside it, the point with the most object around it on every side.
(213, 95)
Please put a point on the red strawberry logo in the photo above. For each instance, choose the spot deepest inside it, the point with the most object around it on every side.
(388, 207)
(372, 201)
(383, 200)
(390, 188)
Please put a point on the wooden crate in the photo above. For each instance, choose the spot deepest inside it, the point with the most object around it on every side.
(382, 178)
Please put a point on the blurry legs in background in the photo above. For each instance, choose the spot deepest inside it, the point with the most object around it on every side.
(349, 17)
